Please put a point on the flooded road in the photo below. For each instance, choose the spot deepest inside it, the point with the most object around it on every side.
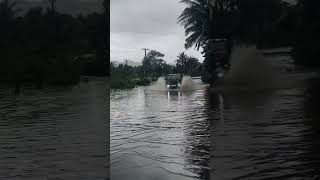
(263, 134)
(159, 135)
(54, 133)
(267, 135)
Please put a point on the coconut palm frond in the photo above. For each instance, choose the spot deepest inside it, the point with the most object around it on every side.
(195, 19)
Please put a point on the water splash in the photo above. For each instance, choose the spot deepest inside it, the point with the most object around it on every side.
(160, 84)
(187, 84)
(250, 70)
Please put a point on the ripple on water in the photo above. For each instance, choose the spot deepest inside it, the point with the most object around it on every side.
(269, 134)
(151, 133)
(54, 133)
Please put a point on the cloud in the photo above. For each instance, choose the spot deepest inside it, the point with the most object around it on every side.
(144, 16)
(137, 24)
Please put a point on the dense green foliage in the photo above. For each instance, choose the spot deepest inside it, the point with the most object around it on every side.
(46, 45)
(126, 77)
(188, 65)
(153, 66)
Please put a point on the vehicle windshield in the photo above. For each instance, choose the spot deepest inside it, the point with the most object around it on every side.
(173, 77)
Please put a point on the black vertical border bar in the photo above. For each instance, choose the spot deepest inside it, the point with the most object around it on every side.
(107, 57)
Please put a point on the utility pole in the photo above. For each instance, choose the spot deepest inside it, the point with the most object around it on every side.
(126, 66)
(145, 56)
(145, 52)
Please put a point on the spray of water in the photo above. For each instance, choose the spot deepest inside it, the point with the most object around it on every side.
(187, 84)
(160, 84)
(251, 71)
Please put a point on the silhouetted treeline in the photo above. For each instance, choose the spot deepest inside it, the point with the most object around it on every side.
(270, 24)
(44, 45)
(306, 49)
(188, 65)
(264, 23)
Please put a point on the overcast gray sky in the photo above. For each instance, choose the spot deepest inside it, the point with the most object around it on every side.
(137, 24)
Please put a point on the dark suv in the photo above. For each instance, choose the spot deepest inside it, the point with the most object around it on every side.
(173, 80)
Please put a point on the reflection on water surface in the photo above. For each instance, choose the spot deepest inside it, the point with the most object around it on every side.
(159, 135)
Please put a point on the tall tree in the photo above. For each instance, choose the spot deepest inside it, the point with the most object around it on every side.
(153, 63)
(181, 63)
(187, 64)
(195, 19)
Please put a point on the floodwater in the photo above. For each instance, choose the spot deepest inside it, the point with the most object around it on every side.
(54, 133)
(219, 135)
(159, 134)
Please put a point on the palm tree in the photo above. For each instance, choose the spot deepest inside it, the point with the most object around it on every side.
(181, 63)
(195, 19)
